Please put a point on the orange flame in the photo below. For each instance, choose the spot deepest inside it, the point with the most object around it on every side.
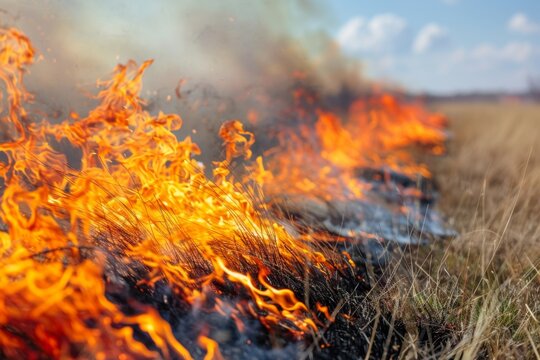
(379, 132)
(135, 197)
(139, 196)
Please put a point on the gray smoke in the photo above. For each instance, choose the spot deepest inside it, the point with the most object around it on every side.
(233, 55)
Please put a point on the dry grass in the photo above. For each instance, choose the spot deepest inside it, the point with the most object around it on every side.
(479, 294)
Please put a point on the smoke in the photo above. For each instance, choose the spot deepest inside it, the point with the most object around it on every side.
(213, 60)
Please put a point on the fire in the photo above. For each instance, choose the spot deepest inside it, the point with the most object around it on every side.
(378, 130)
(110, 250)
(138, 199)
(351, 176)
(16, 54)
(63, 312)
(378, 133)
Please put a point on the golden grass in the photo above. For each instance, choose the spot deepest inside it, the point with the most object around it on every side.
(479, 293)
(490, 181)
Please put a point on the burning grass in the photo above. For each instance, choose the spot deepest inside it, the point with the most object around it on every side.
(135, 252)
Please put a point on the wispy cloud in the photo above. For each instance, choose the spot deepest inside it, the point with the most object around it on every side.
(520, 23)
(430, 37)
(381, 33)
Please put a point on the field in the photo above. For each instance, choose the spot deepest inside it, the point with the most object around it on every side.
(478, 296)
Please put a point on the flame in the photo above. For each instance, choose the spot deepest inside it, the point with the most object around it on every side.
(377, 132)
(137, 197)
(131, 204)
(62, 311)
(212, 348)
(16, 53)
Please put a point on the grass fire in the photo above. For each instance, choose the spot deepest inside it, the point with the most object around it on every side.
(306, 225)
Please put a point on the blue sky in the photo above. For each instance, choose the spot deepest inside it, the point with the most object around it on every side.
(442, 45)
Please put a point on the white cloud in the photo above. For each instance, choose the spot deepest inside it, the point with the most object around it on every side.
(522, 24)
(381, 33)
(430, 37)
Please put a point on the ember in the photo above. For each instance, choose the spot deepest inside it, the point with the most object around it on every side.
(132, 251)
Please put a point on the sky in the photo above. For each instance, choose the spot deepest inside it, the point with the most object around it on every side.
(443, 46)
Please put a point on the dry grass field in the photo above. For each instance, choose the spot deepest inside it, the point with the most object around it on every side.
(479, 294)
